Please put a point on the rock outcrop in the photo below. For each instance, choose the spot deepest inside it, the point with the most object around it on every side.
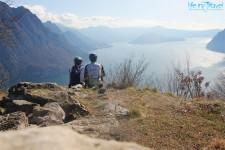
(97, 127)
(116, 109)
(58, 138)
(35, 105)
(44, 104)
(13, 121)
(49, 114)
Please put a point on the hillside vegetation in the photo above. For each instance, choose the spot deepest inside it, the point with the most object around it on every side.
(143, 116)
(162, 121)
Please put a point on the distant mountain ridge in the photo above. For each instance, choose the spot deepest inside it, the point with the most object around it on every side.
(75, 37)
(138, 35)
(160, 35)
(31, 51)
(218, 42)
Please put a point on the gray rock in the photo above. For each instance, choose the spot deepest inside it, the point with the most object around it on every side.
(78, 87)
(40, 93)
(116, 109)
(11, 106)
(74, 111)
(50, 114)
(13, 121)
(98, 127)
(56, 108)
(43, 93)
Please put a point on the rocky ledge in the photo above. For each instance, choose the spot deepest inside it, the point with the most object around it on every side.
(48, 116)
(41, 104)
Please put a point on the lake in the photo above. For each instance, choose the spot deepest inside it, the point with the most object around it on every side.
(163, 56)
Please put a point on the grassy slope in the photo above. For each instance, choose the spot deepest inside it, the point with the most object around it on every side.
(163, 121)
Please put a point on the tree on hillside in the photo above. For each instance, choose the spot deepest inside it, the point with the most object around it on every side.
(187, 83)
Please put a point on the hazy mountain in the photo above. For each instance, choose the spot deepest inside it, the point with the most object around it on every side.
(151, 38)
(72, 38)
(29, 50)
(160, 34)
(218, 42)
(112, 35)
(143, 35)
(52, 27)
(83, 41)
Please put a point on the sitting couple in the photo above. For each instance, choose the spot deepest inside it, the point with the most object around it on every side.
(90, 76)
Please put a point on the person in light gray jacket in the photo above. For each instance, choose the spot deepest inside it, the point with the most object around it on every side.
(94, 73)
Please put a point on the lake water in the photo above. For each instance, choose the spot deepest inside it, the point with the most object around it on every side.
(161, 57)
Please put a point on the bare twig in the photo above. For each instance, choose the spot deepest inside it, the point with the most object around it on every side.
(128, 73)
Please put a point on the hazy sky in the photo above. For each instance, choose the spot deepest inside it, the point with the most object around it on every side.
(125, 13)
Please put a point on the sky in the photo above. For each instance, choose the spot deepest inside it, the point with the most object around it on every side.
(125, 13)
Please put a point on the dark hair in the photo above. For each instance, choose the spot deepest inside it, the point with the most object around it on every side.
(93, 57)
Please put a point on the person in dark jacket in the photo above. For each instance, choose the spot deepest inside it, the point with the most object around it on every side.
(77, 72)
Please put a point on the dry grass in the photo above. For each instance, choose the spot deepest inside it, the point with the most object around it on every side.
(163, 121)
(217, 144)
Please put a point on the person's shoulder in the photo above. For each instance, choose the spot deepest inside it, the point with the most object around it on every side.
(87, 65)
(98, 64)
(73, 67)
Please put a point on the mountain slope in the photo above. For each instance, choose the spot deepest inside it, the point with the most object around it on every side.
(217, 43)
(84, 41)
(29, 50)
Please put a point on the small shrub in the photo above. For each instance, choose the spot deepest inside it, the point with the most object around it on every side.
(135, 113)
(154, 90)
(129, 73)
(100, 104)
(169, 94)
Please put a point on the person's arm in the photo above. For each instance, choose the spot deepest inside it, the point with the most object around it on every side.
(86, 76)
(82, 74)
